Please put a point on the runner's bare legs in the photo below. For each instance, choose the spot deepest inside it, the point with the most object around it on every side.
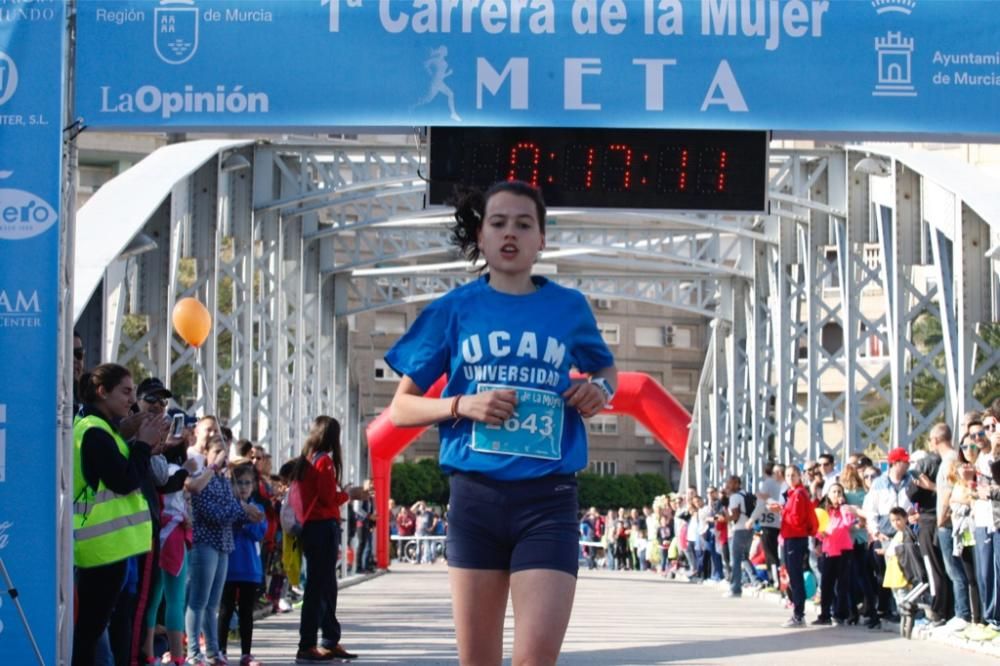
(479, 603)
(543, 601)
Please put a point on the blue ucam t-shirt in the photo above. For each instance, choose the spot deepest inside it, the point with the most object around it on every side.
(482, 338)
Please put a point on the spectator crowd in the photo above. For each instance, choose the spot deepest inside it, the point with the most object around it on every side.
(418, 532)
(910, 539)
(182, 534)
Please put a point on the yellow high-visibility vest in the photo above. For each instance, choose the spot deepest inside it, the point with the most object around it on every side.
(107, 527)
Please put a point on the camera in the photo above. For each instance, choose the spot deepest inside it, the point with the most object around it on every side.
(177, 426)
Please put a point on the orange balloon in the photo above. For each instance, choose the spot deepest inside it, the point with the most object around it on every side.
(192, 321)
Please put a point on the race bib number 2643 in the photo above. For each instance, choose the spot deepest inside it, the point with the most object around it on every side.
(534, 430)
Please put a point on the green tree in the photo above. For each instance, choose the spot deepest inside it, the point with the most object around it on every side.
(424, 480)
(628, 491)
(653, 485)
(421, 480)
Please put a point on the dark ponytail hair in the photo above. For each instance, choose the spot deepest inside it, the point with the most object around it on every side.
(470, 208)
(108, 375)
(324, 437)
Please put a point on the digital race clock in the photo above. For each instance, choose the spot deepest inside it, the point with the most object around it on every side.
(607, 168)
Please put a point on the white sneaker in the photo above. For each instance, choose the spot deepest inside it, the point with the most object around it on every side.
(956, 624)
(729, 594)
(793, 623)
(284, 606)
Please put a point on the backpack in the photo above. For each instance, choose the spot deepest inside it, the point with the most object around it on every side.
(292, 515)
(289, 524)
(749, 503)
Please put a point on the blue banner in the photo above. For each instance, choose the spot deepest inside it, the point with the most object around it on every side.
(928, 66)
(31, 99)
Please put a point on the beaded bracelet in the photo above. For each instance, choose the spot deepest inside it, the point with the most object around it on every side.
(454, 408)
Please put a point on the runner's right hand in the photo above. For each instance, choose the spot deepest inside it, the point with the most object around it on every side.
(492, 407)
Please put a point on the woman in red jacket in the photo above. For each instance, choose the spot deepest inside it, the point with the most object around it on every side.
(317, 473)
(798, 523)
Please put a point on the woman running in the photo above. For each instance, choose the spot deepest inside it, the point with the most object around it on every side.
(511, 425)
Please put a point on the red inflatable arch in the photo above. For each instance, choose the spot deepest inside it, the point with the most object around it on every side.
(638, 395)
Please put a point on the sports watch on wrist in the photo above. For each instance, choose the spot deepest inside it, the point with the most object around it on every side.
(604, 385)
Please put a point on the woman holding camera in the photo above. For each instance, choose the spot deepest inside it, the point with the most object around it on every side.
(111, 520)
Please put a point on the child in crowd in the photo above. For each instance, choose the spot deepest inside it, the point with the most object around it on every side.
(215, 510)
(838, 547)
(244, 573)
(276, 569)
(665, 537)
(755, 566)
(895, 579)
(170, 581)
(291, 552)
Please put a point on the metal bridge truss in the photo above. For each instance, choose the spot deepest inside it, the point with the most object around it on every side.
(283, 242)
(837, 350)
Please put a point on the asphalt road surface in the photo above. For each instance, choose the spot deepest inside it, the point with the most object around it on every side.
(404, 617)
